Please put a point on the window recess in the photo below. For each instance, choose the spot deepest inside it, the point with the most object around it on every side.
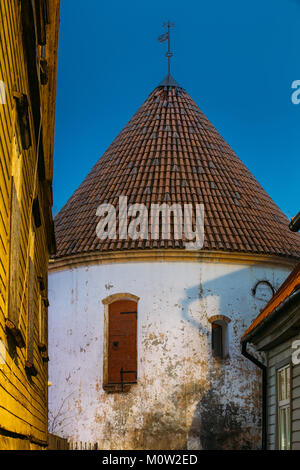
(217, 340)
(12, 321)
(36, 212)
(13, 313)
(120, 355)
(21, 101)
(41, 8)
(29, 366)
(42, 343)
(220, 336)
(43, 71)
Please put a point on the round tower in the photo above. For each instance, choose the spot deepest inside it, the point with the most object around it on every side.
(144, 325)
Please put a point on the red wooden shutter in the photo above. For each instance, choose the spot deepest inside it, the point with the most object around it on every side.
(122, 345)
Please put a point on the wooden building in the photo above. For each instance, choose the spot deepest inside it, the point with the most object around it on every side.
(276, 334)
(28, 63)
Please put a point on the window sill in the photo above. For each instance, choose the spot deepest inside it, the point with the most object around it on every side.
(221, 358)
(117, 388)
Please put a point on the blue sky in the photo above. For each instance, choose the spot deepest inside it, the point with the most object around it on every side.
(237, 59)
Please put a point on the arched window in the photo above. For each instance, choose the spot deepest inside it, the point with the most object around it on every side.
(120, 342)
(219, 336)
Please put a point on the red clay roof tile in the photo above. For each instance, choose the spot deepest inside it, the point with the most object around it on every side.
(169, 152)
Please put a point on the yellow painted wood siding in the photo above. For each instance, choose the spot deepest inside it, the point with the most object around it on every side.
(23, 398)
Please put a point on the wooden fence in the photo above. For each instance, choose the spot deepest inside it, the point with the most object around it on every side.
(57, 443)
(83, 445)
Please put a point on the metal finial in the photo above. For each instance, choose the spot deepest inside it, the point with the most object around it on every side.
(165, 37)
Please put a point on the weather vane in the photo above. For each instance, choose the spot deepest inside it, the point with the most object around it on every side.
(164, 37)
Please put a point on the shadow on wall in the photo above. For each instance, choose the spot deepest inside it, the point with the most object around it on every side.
(228, 288)
(227, 421)
(218, 426)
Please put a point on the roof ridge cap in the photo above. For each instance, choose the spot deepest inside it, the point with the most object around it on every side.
(169, 81)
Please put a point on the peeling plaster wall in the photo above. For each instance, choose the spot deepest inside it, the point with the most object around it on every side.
(185, 398)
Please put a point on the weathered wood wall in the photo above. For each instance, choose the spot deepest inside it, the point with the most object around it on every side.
(57, 443)
(277, 357)
(25, 174)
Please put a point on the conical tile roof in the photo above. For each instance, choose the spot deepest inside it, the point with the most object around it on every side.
(170, 153)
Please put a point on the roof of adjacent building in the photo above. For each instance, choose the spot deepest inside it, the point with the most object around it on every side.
(290, 286)
(295, 223)
(169, 152)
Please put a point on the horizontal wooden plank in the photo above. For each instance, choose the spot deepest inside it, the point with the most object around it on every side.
(271, 419)
(296, 382)
(296, 414)
(296, 403)
(285, 355)
(271, 399)
(271, 380)
(271, 429)
(296, 371)
(13, 423)
(279, 350)
(20, 389)
(296, 425)
(296, 392)
(296, 436)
